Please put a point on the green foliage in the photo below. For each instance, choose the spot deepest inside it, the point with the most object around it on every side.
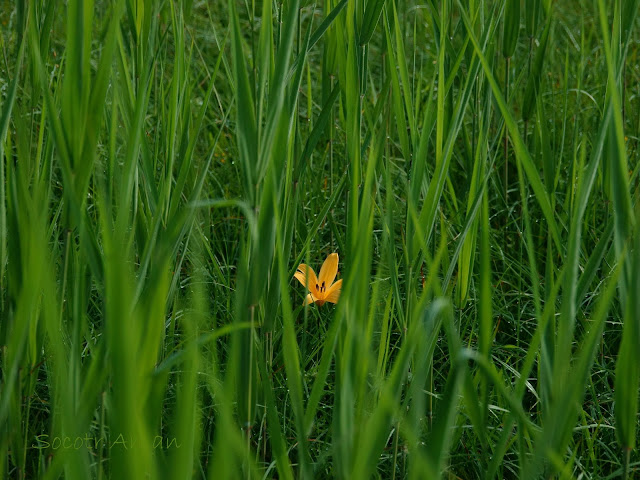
(165, 167)
(511, 28)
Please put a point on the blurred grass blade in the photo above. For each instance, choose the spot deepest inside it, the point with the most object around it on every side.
(372, 13)
(535, 76)
(5, 115)
(246, 116)
(511, 27)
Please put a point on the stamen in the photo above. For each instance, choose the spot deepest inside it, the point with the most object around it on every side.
(317, 287)
(323, 288)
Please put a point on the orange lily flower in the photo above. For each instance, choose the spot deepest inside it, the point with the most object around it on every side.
(321, 288)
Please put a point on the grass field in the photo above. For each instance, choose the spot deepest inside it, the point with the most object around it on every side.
(167, 166)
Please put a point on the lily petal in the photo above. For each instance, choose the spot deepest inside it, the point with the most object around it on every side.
(310, 299)
(305, 272)
(329, 270)
(333, 294)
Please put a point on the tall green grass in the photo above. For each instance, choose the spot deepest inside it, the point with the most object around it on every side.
(166, 166)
